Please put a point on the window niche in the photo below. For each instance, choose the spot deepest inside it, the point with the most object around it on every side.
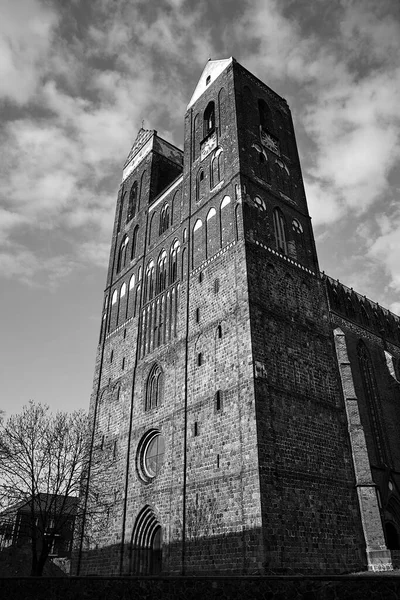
(153, 388)
(280, 231)
(209, 120)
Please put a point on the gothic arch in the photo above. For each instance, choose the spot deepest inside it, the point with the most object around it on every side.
(146, 544)
(154, 387)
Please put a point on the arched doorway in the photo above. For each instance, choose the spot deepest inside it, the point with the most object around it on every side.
(146, 544)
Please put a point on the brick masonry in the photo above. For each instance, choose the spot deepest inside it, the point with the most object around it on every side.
(259, 473)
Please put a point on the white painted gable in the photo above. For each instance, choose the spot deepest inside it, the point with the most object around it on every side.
(213, 68)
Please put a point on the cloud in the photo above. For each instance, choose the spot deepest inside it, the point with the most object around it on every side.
(385, 249)
(26, 32)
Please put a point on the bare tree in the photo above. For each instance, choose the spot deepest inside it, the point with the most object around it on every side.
(44, 459)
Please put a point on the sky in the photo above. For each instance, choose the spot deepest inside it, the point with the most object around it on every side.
(77, 80)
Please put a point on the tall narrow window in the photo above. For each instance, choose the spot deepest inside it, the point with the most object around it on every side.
(153, 388)
(132, 202)
(164, 219)
(199, 185)
(217, 163)
(121, 208)
(134, 242)
(265, 116)
(209, 119)
(371, 393)
(162, 272)
(283, 178)
(196, 136)
(122, 254)
(142, 188)
(173, 262)
(149, 281)
(280, 231)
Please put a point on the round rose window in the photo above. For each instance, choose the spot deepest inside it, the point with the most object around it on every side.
(150, 455)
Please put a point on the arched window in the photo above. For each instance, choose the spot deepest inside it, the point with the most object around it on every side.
(281, 131)
(280, 231)
(217, 167)
(221, 102)
(114, 297)
(123, 290)
(142, 184)
(209, 119)
(263, 167)
(176, 208)
(121, 208)
(265, 116)
(149, 281)
(134, 242)
(372, 401)
(122, 254)
(196, 136)
(153, 388)
(199, 185)
(173, 262)
(197, 254)
(132, 202)
(152, 227)
(283, 177)
(162, 272)
(164, 219)
(226, 221)
(212, 237)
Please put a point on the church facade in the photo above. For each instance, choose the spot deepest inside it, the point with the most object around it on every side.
(250, 404)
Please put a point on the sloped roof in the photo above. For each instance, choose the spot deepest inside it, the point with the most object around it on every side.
(142, 137)
(213, 68)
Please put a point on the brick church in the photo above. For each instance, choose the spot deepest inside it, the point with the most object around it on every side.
(250, 404)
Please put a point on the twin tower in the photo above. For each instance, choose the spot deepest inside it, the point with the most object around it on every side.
(248, 408)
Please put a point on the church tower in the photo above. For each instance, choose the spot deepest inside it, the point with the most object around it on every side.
(216, 391)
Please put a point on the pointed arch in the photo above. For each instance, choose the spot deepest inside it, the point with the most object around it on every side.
(226, 221)
(372, 400)
(221, 109)
(161, 272)
(121, 209)
(217, 168)
(196, 136)
(265, 116)
(142, 187)
(176, 208)
(132, 202)
(154, 387)
(134, 242)
(197, 252)
(209, 119)
(164, 219)
(280, 230)
(149, 281)
(173, 261)
(200, 184)
(121, 261)
(146, 544)
(212, 237)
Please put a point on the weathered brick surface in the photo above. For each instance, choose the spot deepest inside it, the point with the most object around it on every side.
(258, 473)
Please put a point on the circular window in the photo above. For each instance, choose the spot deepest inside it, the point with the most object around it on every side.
(297, 226)
(150, 455)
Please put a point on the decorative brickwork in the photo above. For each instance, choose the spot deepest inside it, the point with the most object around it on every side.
(247, 437)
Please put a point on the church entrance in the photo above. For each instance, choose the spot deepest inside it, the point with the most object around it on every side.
(146, 544)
